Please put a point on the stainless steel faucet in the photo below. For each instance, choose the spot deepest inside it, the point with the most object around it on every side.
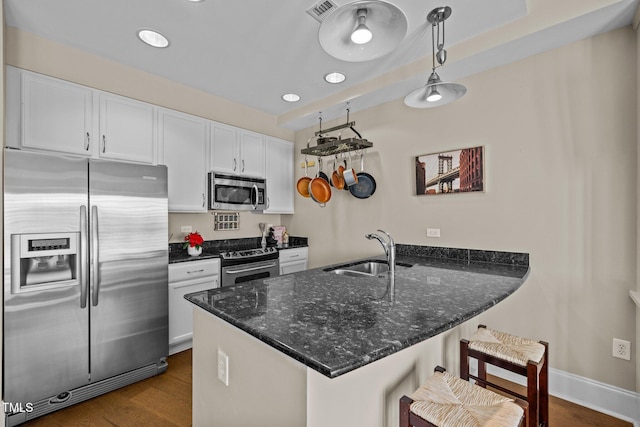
(389, 249)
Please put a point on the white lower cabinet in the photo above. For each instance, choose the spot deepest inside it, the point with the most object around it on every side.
(185, 278)
(293, 260)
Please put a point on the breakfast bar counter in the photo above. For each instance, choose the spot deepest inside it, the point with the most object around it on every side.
(316, 337)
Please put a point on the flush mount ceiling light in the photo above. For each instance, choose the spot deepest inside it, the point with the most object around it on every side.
(291, 97)
(362, 30)
(335, 78)
(436, 92)
(153, 38)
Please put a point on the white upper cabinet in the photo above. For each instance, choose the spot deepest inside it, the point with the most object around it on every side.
(236, 151)
(183, 141)
(44, 113)
(50, 114)
(126, 129)
(279, 174)
(223, 150)
(251, 154)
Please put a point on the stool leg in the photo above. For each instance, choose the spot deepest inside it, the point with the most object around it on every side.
(482, 373)
(532, 394)
(404, 411)
(464, 359)
(543, 413)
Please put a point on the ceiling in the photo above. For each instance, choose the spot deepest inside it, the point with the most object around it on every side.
(253, 51)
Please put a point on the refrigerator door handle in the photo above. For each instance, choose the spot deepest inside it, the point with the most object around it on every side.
(95, 282)
(82, 256)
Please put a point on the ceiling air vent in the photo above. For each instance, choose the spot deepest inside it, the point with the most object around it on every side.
(322, 9)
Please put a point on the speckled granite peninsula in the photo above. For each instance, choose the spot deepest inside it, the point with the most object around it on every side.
(345, 337)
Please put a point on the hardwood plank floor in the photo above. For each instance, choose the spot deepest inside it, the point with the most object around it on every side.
(165, 401)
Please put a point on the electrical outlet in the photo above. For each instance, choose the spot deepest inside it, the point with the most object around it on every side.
(186, 229)
(433, 232)
(223, 367)
(621, 349)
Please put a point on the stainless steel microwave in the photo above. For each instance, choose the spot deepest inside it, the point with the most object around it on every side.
(232, 192)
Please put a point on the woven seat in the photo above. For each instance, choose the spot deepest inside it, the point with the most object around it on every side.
(519, 355)
(447, 401)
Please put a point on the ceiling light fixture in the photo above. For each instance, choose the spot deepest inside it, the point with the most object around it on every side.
(435, 92)
(291, 97)
(153, 38)
(335, 78)
(362, 30)
(362, 34)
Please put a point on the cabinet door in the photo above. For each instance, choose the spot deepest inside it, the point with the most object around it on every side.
(183, 139)
(279, 174)
(56, 115)
(251, 154)
(223, 151)
(126, 129)
(181, 311)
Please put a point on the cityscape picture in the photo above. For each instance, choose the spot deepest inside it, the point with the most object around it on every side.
(456, 171)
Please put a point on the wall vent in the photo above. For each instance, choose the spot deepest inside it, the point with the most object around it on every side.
(322, 9)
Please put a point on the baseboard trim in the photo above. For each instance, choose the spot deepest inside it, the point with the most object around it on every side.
(601, 397)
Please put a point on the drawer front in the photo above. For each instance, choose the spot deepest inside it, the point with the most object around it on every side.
(296, 254)
(193, 270)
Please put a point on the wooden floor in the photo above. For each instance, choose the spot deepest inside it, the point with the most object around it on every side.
(165, 401)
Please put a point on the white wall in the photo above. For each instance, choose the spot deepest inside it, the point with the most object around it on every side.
(559, 131)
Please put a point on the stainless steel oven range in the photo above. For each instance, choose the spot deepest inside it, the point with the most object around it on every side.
(245, 265)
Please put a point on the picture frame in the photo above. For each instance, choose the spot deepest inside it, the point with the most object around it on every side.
(450, 172)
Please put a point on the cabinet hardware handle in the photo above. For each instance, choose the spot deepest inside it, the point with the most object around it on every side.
(86, 148)
(243, 165)
(104, 143)
(235, 164)
(203, 200)
(195, 271)
(294, 256)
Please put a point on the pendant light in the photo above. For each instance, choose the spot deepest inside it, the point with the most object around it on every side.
(362, 30)
(436, 92)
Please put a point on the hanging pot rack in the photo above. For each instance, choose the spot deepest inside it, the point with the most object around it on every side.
(338, 145)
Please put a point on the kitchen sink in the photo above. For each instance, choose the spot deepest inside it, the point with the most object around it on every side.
(364, 268)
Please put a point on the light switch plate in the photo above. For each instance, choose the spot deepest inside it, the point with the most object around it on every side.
(433, 232)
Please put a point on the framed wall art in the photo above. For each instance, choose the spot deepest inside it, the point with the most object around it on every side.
(458, 171)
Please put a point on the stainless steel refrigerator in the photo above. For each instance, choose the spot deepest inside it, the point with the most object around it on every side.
(85, 279)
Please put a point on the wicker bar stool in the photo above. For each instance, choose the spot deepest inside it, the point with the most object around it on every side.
(519, 355)
(448, 401)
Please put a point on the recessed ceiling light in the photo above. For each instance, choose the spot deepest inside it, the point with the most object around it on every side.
(334, 78)
(153, 38)
(291, 97)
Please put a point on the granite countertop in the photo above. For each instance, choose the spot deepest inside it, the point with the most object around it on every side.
(213, 248)
(337, 323)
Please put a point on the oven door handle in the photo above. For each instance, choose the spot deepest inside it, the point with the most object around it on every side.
(244, 270)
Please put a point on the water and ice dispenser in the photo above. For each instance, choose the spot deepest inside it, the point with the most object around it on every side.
(46, 260)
